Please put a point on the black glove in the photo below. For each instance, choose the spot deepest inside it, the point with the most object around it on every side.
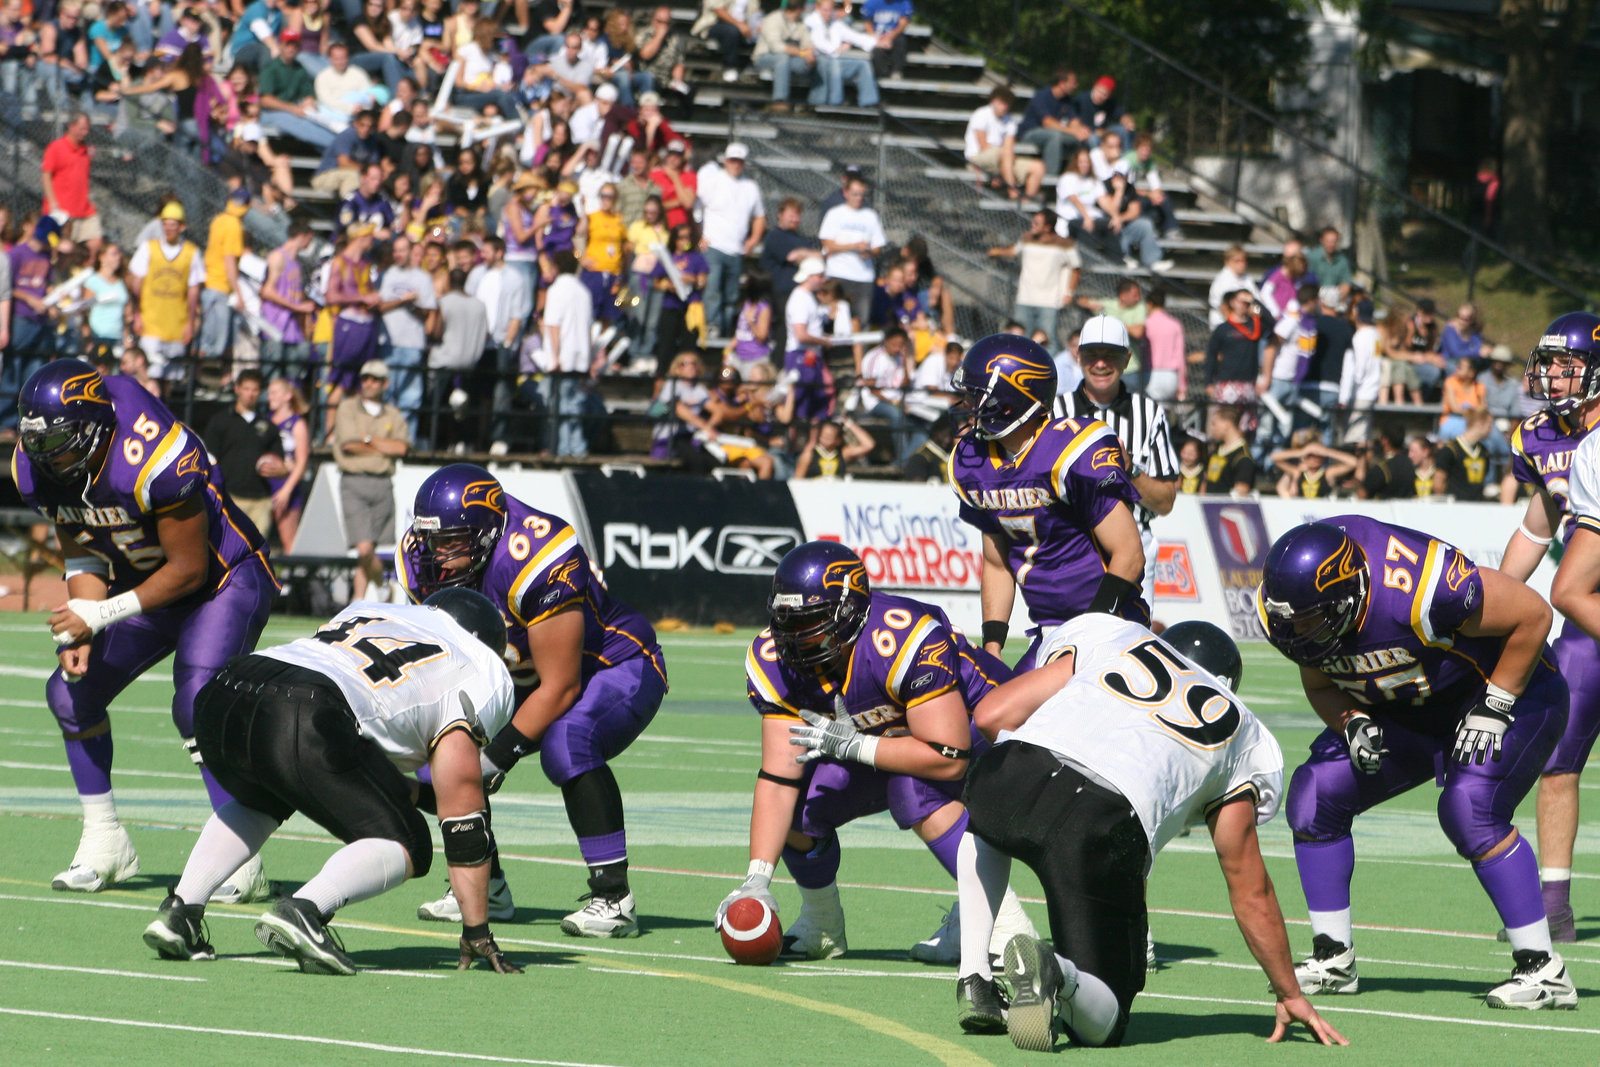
(484, 948)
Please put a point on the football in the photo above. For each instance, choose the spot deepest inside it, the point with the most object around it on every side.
(270, 466)
(751, 932)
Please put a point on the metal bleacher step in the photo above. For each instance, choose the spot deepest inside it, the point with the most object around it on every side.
(1201, 245)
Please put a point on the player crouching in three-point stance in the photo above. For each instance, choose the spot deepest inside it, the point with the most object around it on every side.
(1103, 754)
(325, 726)
(1420, 664)
(159, 562)
(873, 691)
(589, 674)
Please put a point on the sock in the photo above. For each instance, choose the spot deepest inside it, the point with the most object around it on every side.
(1090, 1012)
(945, 845)
(360, 870)
(823, 897)
(89, 759)
(1335, 924)
(982, 872)
(99, 811)
(231, 836)
(1555, 874)
(816, 869)
(219, 796)
(1557, 896)
(1325, 871)
(603, 849)
(1512, 881)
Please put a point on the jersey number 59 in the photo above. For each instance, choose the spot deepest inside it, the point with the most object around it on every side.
(1178, 696)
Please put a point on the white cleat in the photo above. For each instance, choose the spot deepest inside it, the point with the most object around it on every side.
(248, 885)
(603, 916)
(1539, 981)
(818, 932)
(1150, 962)
(943, 948)
(447, 910)
(1331, 968)
(1009, 923)
(104, 858)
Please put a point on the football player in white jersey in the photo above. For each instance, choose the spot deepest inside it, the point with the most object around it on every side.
(327, 726)
(1103, 753)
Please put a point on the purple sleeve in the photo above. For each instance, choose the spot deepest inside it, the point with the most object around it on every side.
(564, 582)
(181, 479)
(982, 520)
(933, 673)
(1095, 479)
(1457, 593)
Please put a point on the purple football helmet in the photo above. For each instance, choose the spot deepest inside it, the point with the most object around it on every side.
(460, 511)
(818, 604)
(1004, 381)
(1568, 351)
(65, 416)
(1313, 591)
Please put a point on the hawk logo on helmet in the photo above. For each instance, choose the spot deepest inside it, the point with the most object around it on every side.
(87, 387)
(484, 495)
(1024, 377)
(1337, 567)
(846, 574)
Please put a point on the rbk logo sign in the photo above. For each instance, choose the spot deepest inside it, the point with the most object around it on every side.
(733, 549)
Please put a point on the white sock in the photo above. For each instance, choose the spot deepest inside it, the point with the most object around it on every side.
(360, 870)
(99, 811)
(230, 837)
(825, 898)
(982, 874)
(1090, 1010)
(1554, 874)
(1336, 924)
(1535, 937)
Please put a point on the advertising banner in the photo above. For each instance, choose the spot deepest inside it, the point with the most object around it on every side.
(1239, 542)
(696, 548)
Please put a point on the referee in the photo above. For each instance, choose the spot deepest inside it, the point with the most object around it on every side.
(1139, 423)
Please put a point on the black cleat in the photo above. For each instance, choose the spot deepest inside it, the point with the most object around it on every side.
(180, 933)
(1035, 979)
(980, 1006)
(294, 929)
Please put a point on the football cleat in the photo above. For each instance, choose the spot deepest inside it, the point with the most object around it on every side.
(1539, 981)
(1150, 961)
(447, 910)
(1036, 982)
(1331, 968)
(294, 929)
(980, 1006)
(1011, 922)
(247, 885)
(180, 933)
(104, 858)
(944, 946)
(818, 931)
(603, 916)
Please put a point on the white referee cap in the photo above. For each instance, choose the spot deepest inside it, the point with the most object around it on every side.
(1104, 330)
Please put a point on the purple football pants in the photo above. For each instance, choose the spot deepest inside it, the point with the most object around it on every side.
(616, 704)
(1577, 657)
(203, 636)
(1476, 802)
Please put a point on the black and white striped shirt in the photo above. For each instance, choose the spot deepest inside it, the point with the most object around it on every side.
(1140, 424)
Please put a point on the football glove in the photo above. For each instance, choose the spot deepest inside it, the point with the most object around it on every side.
(756, 884)
(1484, 727)
(484, 948)
(501, 754)
(493, 776)
(1365, 739)
(837, 737)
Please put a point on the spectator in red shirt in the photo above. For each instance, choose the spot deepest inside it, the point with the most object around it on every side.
(678, 184)
(66, 185)
(649, 129)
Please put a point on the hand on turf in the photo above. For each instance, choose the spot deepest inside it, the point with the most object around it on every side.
(1481, 732)
(484, 948)
(1365, 739)
(754, 886)
(838, 738)
(1299, 1010)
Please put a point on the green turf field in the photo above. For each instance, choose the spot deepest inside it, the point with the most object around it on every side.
(77, 985)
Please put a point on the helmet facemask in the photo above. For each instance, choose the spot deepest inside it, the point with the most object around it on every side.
(1309, 635)
(989, 416)
(438, 550)
(1548, 365)
(815, 635)
(63, 451)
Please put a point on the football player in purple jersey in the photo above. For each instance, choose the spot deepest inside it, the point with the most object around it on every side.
(1422, 665)
(875, 692)
(158, 561)
(1051, 497)
(1564, 368)
(588, 671)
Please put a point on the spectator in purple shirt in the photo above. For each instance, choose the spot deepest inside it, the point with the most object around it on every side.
(32, 338)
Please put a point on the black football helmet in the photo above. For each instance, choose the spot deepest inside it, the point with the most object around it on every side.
(1209, 647)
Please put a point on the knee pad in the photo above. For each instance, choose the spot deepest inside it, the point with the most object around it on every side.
(468, 841)
(816, 868)
(1468, 821)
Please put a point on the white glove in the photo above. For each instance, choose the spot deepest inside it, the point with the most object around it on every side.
(756, 885)
(838, 738)
(1484, 727)
(1365, 739)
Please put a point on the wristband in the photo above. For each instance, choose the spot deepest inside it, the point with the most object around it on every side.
(868, 752)
(98, 614)
(1498, 699)
(475, 933)
(508, 746)
(995, 633)
(1542, 542)
(1114, 595)
(759, 876)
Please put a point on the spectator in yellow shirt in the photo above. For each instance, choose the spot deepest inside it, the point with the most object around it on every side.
(603, 257)
(219, 300)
